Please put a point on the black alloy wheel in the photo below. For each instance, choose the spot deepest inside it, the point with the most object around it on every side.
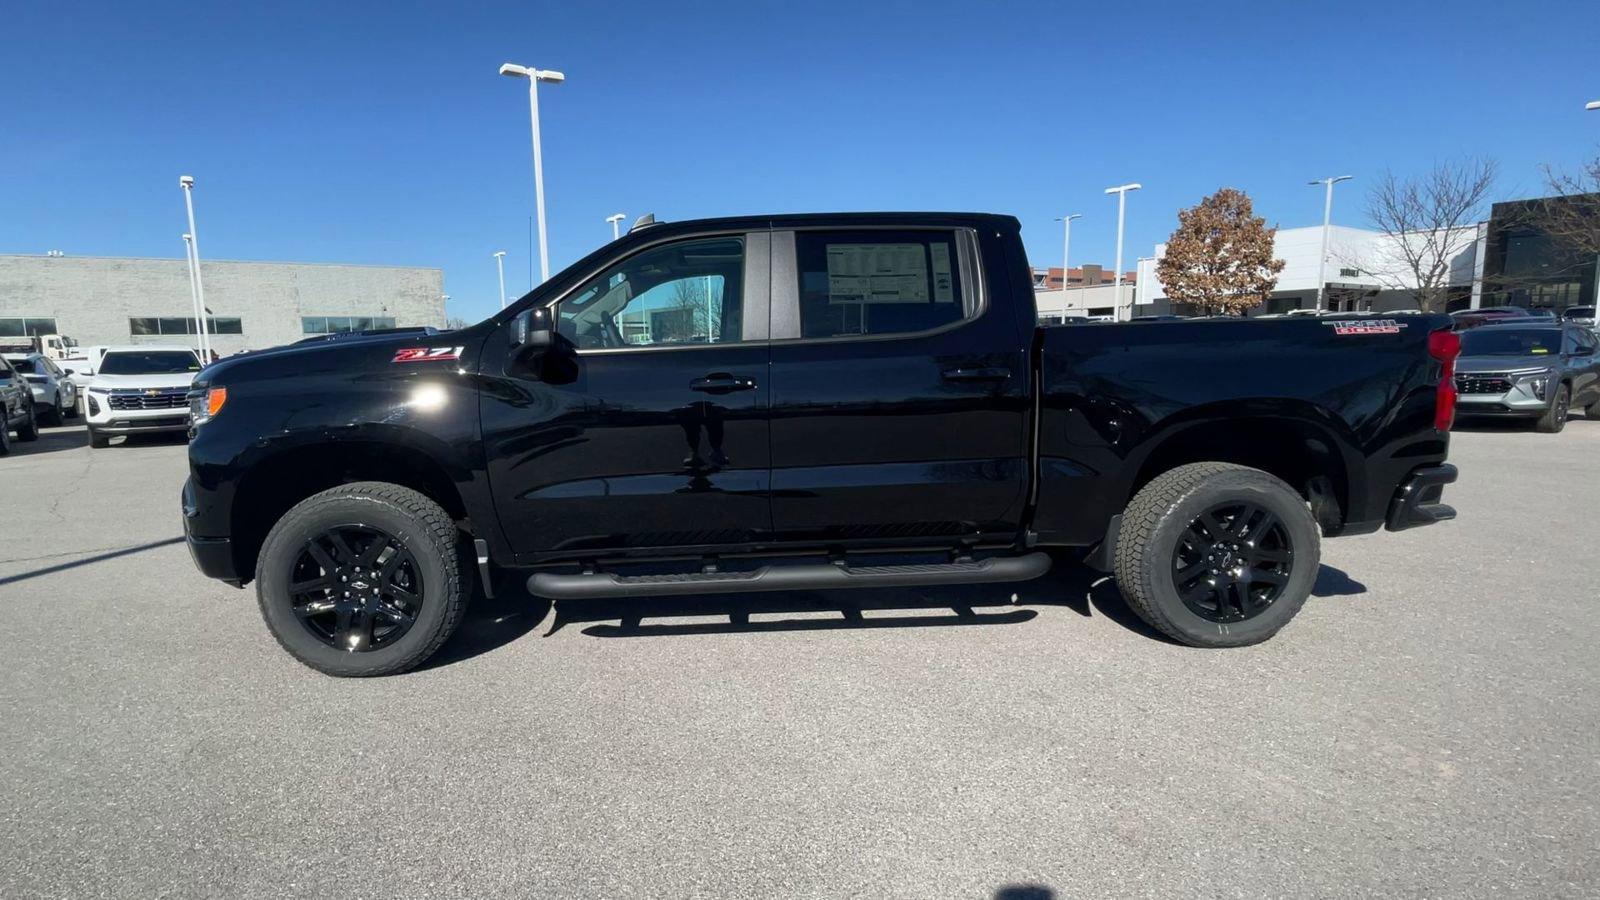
(355, 588)
(1233, 562)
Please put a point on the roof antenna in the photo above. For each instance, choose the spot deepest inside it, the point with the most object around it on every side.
(645, 221)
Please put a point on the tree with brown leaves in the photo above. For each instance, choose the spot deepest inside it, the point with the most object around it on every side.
(1220, 257)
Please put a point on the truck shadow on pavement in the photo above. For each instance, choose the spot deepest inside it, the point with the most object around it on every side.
(492, 623)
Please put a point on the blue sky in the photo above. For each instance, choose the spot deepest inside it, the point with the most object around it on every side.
(380, 132)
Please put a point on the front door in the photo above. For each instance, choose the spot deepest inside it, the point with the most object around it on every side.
(899, 396)
(645, 428)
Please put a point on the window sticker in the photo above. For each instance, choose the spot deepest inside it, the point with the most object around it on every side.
(877, 273)
(943, 289)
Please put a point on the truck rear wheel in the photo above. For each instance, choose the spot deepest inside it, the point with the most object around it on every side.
(363, 579)
(1217, 555)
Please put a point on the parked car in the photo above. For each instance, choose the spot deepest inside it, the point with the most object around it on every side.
(55, 393)
(140, 390)
(1530, 369)
(16, 408)
(1472, 318)
(84, 361)
(1579, 315)
(871, 405)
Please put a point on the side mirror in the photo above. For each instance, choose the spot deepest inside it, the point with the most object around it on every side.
(533, 333)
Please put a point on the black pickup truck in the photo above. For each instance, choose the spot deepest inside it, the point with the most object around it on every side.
(805, 402)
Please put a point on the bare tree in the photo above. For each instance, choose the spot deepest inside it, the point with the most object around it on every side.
(1572, 216)
(455, 323)
(1430, 221)
(1220, 256)
(694, 308)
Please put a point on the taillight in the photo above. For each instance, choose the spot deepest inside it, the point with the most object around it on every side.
(1445, 345)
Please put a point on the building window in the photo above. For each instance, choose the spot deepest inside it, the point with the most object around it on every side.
(27, 326)
(343, 324)
(147, 325)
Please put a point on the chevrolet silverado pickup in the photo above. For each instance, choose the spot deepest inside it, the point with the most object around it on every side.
(805, 402)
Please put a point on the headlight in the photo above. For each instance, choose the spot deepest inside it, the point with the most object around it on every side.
(1534, 382)
(204, 405)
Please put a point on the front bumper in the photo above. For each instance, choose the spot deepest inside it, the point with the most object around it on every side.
(1416, 502)
(213, 556)
(150, 425)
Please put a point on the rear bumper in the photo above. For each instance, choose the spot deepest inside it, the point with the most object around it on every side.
(1416, 502)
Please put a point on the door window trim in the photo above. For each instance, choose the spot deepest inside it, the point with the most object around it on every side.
(785, 297)
(750, 302)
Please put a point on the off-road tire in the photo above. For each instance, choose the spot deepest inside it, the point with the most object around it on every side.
(98, 440)
(427, 532)
(29, 430)
(1555, 418)
(1155, 520)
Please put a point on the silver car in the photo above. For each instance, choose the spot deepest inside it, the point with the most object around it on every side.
(55, 393)
(1529, 370)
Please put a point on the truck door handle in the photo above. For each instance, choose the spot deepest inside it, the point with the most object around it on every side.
(722, 383)
(995, 373)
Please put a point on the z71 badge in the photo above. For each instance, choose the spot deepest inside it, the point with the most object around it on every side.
(427, 354)
(1366, 326)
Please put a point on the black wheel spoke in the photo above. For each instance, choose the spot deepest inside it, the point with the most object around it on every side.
(356, 588)
(1245, 548)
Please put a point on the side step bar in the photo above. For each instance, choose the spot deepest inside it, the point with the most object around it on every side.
(807, 577)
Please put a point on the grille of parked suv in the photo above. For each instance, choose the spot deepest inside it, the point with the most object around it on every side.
(151, 398)
(1482, 383)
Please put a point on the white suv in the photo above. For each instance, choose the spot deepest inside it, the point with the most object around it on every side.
(138, 390)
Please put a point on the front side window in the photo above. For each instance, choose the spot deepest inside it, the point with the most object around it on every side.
(685, 293)
(878, 282)
(149, 362)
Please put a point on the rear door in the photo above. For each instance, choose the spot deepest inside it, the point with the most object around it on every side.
(899, 388)
(645, 429)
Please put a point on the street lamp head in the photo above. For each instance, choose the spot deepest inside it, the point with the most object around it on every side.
(1592, 105)
(514, 71)
(1124, 188)
(498, 253)
(617, 218)
(549, 76)
(1069, 218)
(188, 237)
(186, 180)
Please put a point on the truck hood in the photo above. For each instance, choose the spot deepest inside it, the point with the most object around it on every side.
(348, 354)
(109, 382)
(1506, 363)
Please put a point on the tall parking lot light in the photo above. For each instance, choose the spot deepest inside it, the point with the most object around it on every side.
(1121, 191)
(187, 183)
(535, 76)
(500, 266)
(1066, 248)
(616, 224)
(1327, 219)
(194, 292)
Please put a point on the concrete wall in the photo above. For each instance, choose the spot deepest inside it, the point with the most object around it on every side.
(1097, 299)
(92, 298)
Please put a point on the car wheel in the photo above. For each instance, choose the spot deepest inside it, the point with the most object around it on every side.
(1555, 418)
(71, 410)
(1217, 555)
(363, 579)
(1592, 411)
(29, 430)
(98, 440)
(5, 433)
(52, 416)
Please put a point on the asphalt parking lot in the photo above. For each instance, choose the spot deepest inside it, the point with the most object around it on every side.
(1429, 725)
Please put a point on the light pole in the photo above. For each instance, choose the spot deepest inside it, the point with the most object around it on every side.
(535, 76)
(1327, 218)
(187, 183)
(500, 266)
(616, 224)
(1121, 191)
(194, 293)
(1066, 247)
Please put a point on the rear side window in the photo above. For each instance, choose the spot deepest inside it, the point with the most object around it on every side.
(25, 366)
(878, 282)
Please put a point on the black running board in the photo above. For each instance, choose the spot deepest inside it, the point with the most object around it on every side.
(808, 577)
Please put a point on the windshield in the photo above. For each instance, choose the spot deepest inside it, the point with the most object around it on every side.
(149, 362)
(1510, 342)
(25, 366)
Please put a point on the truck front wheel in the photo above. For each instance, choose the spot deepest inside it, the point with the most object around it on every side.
(363, 579)
(1217, 555)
